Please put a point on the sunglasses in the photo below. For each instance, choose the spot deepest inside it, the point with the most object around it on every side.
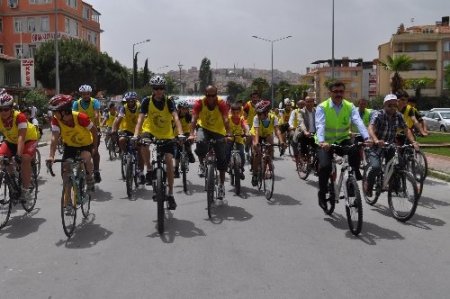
(5, 109)
(211, 95)
(158, 88)
(337, 91)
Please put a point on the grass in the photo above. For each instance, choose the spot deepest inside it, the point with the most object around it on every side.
(444, 151)
(434, 138)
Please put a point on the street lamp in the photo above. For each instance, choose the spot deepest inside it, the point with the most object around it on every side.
(138, 43)
(57, 89)
(181, 86)
(272, 41)
(332, 41)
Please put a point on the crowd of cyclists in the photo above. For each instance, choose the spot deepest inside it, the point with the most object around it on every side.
(229, 123)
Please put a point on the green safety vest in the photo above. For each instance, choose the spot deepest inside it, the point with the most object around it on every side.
(365, 119)
(337, 126)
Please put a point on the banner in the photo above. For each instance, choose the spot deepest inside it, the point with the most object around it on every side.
(27, 73)
(46, 36)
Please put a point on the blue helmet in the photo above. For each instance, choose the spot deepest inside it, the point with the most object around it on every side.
(131, 95)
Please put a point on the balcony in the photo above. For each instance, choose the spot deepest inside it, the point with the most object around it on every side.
(419, 74)
(422, 55)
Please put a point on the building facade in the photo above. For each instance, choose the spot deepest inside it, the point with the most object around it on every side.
(428, 45)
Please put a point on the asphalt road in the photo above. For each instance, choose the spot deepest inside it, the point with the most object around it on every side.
(253, 248)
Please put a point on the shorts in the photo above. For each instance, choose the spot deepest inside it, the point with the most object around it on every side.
(71, 152)
(8, 149)
(168, 148)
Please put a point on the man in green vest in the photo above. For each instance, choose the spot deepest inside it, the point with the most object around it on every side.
(365, 114)
(334, 116)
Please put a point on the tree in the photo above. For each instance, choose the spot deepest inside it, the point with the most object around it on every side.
(146, 74)
(261, 85)
(396, 64)
(135, 70)
(79, 63)
(418, 85)
(447, 76)
(205, 74)
(233, 89)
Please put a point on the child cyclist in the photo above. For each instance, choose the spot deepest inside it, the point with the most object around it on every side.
(238, 127)
(185, 118)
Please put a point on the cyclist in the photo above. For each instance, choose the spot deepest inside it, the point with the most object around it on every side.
(383, 128)
(20, 140)
(249, 114)
(90, 106)
(334, 117)
(307, 127)
(412, 101)
(109, 116)
(210, 115)
(155, 120)
(185, 118)
(238, 126)
(78, 133)
(284, 120)
(264, 126)
(409, 115)
(294, 122)
(33, 120)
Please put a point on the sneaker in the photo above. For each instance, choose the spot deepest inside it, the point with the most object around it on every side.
(69, 210)
(26, 195)
(142, 179)
(172, 205)
(254, 180)
(176, 173)
(149, 177)
(97, 177)
(322, 200)
(191, 157)
(221, 192)
(201, 170)
(90, 183)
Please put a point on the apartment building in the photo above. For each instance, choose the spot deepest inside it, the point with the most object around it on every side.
(25, 24)
(358, 76)
(428, 45)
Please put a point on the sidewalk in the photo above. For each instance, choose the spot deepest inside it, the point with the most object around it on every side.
(439, 163)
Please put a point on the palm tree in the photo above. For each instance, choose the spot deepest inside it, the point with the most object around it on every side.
(260, 84)
(396, 64)
(419, 84)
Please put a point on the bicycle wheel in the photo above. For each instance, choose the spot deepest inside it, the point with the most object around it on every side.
(160, 198)
(303, 169)
(123, 166)
(330, 198)
(269, 179)
(184, 169)
(37, 160)
(5, 201)
(402, 195)
(210, 182)
(68, 210)
(376, 189)
(85, 196)
(111, 149)
(28, 206)
(237, 175)
(353, 206)
(261, 174)
(129, 177)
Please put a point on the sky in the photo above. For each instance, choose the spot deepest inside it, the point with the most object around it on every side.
(186, 31)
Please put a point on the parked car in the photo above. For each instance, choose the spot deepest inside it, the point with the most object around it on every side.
(438, 120)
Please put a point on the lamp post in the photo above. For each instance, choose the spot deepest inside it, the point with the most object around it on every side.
(332, 41)
(57, 86)
(181, 85)
(272, 41)
(138, 43)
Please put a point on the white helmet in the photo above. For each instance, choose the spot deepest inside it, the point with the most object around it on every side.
(287, 101)
(85, 88)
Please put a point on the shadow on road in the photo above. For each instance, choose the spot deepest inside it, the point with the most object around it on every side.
(22, 225)
(247, 192)
(283, 200)
(431, 203)
(177, 228)
(87, 234)
(101, 195)
(192, 188)
(370, 231)
(225, 212)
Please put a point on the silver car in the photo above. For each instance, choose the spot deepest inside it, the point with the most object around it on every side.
(438, 120)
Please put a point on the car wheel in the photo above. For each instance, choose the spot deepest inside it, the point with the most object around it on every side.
(442, 129)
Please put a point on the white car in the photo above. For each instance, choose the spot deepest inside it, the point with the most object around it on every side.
(438, 120)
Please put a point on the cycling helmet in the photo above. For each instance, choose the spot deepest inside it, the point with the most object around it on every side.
(158, 80)
(262, 106)
(287, 101)
(6, 100)
(2, 91)
(60, 102)
(183, 104)
(131, 95)
(85, 88)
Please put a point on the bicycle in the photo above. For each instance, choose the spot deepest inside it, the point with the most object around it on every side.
(307, 163)
(394, 178)
(235, 165)
(351, 192)
(74, 193)
(266, 174)
(159, 177)
(111, 144)
(37, 161)
(131, 160)
(184, 165)
(11, 189)
(417, 164)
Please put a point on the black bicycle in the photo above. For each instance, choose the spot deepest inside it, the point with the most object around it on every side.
(11, 188)
(308, 162)
(235, 165)
(184, 164)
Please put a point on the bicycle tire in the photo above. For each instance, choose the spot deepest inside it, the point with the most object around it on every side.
(330, 198)
(160, 198)
(423, 162)
(237, 176)
(353, 206)
(371, 200)
(184, 169)
(68, 218)
(261, 174)
(398, 185)
(5, 201)
(303, 169)
(29, 205)
(210, 186)
(85, 195)
(269, 180)
(129, 177)
(123, 163)
(111, 149)
(37, 160)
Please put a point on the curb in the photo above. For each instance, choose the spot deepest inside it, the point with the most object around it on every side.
(439, 175)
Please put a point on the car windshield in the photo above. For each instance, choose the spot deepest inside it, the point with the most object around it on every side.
(445, 115)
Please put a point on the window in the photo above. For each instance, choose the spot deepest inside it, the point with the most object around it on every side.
(1, 25)
(31, 25)
(92, 37)
(45, 27)
(39, 1)
(18, 51)
(20, 25)
(72, 3)
(447, 46)
(31, 50)
(1, 49)
(71, 26)
(86, 11)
